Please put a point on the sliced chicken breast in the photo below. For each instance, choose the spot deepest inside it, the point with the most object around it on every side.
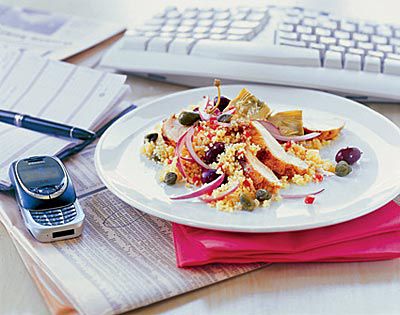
(262, 176)
(274, 156)
(171, 130)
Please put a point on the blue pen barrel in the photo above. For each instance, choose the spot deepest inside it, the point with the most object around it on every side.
(7, 117)
(45, 126)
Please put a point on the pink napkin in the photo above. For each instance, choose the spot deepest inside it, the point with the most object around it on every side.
(375, 236)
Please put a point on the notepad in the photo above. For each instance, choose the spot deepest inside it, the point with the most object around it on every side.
(50, 34)
(52, 90)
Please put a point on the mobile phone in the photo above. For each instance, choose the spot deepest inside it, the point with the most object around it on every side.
(46, 198)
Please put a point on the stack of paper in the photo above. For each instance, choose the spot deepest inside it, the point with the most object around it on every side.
(51, 35)
(52, 90)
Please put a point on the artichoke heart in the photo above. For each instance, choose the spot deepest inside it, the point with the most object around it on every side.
(249, 106)
(290, 123)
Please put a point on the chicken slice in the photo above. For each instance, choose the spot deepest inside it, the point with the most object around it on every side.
(273, 155)
(262, 176)
(171, 130)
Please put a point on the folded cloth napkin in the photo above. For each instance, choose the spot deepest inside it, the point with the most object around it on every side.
(375, 236)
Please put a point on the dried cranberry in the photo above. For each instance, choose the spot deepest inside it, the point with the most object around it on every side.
(207, 176)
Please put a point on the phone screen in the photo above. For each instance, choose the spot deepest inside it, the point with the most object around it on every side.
(44, 173)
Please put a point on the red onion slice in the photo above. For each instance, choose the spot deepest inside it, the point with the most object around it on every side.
(189, 146)
(205, 189)
(221, 196)
(202, 109)
(297, 196)
(274, 131)
(178, 152)
(187, 159)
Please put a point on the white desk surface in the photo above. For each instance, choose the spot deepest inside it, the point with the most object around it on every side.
(346, 288)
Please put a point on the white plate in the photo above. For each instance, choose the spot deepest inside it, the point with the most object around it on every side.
(373, 182)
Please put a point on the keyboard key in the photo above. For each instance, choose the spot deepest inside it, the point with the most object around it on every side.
(318, 46)
(384, 30)
(340, 49)
(218, 36)
(377, 54)
(236, 37)
(393, 56)
(201, 29)
(248, 33)
(308, 38)
(356, 51)
(184, 29)
(173, 14)
(259, 17)
(218, 30)
(190, 13)
(175, 22)
(204, 23)
(346, 43)
(245, 24)
(158, 44)
(366, 29)
(224, 23)
(366, 46)
(384, 48)
(333, 60)
(394, 41)
(352, 62)
(134, 43)
(372, 64)
(378, 39)
(293, 43)
(323, 32)
(327, 40)
(251, 52)
(309, 22)
(239, 16)
(287, 35)
(304, 29)
(200, 35)
(291, 20)
(188, 22)
(286, 27)
(348, 27)
(222, 16)
(341, 35)
(391, 66)
(183, 35)
(168, 28)
(205, 15)
(329, 25)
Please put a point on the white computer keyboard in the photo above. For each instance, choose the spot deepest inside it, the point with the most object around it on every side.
(277, 45)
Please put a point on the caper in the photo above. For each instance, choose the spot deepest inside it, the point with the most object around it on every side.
(342, 169)
(188, 118)
(170, 178)
(225, 118)
(263, 195)
(151, 137)
(156, 158)
(247, 203)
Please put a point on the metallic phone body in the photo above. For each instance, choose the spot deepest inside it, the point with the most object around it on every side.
(46, 198)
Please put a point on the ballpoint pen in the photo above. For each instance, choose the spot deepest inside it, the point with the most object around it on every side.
(44, 126)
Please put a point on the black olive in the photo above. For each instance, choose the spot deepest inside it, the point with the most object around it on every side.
(152, 137)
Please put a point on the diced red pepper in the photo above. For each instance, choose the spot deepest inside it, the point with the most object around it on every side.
(288, 145)
(318, 177)
(309, 199)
